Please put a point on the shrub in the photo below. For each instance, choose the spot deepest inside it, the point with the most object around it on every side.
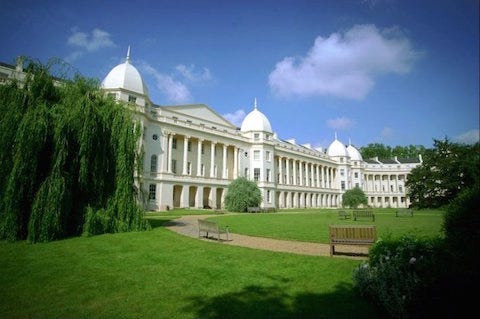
(242, 194)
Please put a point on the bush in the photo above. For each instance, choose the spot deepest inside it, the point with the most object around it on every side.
(399, 273)
(354, 197)
(242, 194)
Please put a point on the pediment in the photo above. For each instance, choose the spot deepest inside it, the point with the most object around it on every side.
(202, 112)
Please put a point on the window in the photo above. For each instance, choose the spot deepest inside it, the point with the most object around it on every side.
(269, 198)
(356, 174)
(202, 170)
(246, 172)
(343, 185)
(132, 99)
(174, 143)
(342, 172)
(341, 159)
(174, 166)
(256, 136)
(256, 174)
(400, 188)
(152, 191)
(189, 146)
(155, 137)
(267, 156)
(189, 168)
(268, 175)
(246, 154)
(203, 149)
(153, 164)
(256, 155)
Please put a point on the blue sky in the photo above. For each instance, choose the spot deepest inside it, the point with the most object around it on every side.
(374, 71)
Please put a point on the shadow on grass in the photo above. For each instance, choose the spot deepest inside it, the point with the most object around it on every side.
(159, 222)
(273, 302)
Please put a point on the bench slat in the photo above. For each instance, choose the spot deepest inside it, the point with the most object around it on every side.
(365, 235)
(208, 226)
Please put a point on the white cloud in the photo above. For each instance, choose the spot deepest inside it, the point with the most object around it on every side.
(175, 91)
(190, 74)
(99, 39)
(469, 137)
(236, 118)
(344, 64)
(387, 132)
(340, 123)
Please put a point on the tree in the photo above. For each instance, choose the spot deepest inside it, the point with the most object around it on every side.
(384, 151)
(67, 159)
(242, 194)
(447, 169)
(354, 197)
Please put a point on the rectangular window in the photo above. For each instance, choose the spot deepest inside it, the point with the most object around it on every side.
(174, 166)
(152, 191)
(246, 172)
(256, 136)
(189, 168)
(132, 99)
(256, 174)
(189, 146)
(268, 175)
(356, 175)
(203, 149)
(174, 143)
(342, 172)
(256, 155)
(343, 185)
(202, 170)
(267, 156)
(269, 198)
(153, 164)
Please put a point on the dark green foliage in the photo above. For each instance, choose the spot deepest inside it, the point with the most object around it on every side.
(384, 151)
(354, 197)
(446, 170)
(65, 147)
(242, 194)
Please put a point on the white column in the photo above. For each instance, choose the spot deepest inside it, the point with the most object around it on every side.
(294, 171)
(224, 166)
(287, 162)
(300, 168)
(170, 147)
(323, 176)
(307, 174)
(235, 162)
(185, 153)
(164, 145)
(212, 159)
(280, 170)
(317, 172)
(199, 157)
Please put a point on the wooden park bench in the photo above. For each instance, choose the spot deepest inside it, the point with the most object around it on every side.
(211, 227)
(364, 235)
(254, 209)
(343, 214)
(404, 212)
(363, 214)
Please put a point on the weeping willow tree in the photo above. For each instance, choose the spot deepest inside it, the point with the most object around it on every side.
(68, 157)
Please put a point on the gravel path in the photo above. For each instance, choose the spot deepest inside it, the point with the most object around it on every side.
(188, 226)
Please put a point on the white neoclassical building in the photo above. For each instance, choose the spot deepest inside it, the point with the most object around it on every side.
(191, 154)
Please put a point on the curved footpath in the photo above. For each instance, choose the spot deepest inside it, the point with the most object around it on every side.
(188, 226)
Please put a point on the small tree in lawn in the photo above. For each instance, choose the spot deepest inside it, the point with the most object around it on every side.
(242, 194)
(354, 197)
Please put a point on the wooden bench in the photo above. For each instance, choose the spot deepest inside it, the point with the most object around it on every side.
(208, 226)
(364, 235)
(404, 212)
(363, 214)
(253, 209)
(343, 214)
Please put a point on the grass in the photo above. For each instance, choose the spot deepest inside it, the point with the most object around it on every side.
(160, 274)
(312, 225)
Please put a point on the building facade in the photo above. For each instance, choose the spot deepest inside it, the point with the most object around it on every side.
(191, 154)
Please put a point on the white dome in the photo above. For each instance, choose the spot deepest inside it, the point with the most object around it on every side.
(125, 76)
(337, 149)
(256, 121)
(354, 153)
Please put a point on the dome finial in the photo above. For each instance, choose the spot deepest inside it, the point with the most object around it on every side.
(255, 104)
(128, 54)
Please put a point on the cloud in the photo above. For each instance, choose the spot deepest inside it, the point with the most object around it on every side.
(236, 118)
(340, 123)
(344, 64)
(175, 91)
(98, 39)
(190, 74)
(469, 137)
(387, 132)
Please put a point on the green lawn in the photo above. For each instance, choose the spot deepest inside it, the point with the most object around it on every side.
(160, 274)
(312, 225)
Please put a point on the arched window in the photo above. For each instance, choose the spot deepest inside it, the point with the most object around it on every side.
(153, 164)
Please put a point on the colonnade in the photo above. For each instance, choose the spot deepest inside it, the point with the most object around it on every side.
(302, 173)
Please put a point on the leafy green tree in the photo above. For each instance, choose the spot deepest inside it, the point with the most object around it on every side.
(384, 151)
(242, 194)
(354, 197)
(65, 150)
(447, 169)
